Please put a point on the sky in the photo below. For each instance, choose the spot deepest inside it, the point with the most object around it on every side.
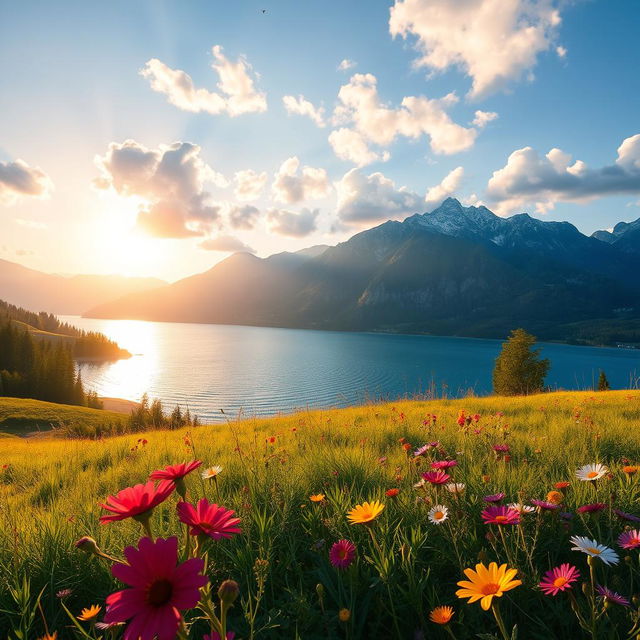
(154, 138)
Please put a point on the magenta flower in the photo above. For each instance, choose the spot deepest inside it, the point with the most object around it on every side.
(436, 477)
(499, 514)
(559, 579)
(496, 497)
(207, 519)
(175, 471)
(342, 554)
(629, 539)
(160, 589)
(626, 516)
(421, 451)
(501, 448)
(136, 502)
(596, 507)
(611, 596)
(443, 464)
(543, 505)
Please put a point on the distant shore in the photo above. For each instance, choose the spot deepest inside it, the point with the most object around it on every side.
(119, 405)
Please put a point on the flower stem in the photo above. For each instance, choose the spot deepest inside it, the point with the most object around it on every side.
(498, 617)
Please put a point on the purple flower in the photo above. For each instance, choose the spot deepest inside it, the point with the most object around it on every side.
(496, 497)
(611, 596)
(626, 516)
(543, 505)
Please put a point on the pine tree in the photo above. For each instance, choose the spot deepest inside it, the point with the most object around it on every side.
(518, 369)
(603, 383)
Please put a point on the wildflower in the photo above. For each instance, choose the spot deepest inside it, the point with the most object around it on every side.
(228, 592)
(555, 497)
(559, 579)
(443, 464)
(611, 596)
(485, 583)
(421, 451)
(342, 554)
(501, 448)
(207, 519)
(626, 516)
(344, 615)
(562, 485)
(630, 469)
(160, 588)
(407, 446)
(317, 497)
(211, 472)
(486, 478)
(521, 508)
(89, 613)
(64, 593)
(136, 502)
(591, 508)
(591, 472)
(365, 512)
(441, 615)
(455, 487)
(629, 539)
(438, 514)
(392, 493)
(50, 636)
(594, 549)
(420, 483)
(496, 497)
(175, 471)
(500, 515)
(436, 477)
(543, 505)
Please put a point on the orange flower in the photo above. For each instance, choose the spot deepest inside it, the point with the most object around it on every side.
(407, 446)
(89, 613)
(441, 615)
(630, 469)
(392, 493)
(365, 512)
(317, 497)
(555, 497)
(486, 478)
(344, 615)
(562, 485)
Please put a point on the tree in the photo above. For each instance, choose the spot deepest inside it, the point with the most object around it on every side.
(519, 370)
(603, 383)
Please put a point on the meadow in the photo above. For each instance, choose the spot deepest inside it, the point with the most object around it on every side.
(293, 480)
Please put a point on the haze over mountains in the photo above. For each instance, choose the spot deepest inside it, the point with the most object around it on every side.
(455, 271)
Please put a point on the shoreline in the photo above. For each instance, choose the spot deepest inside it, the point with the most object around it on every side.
(118, 405)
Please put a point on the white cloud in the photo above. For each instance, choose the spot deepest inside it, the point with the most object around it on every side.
(168, 181)
(561, 51)
(237, 95)
(529, 179)
(19, 180)
(365, 199)
(302, 107)
(244, 217)
(225, 244)
(346, 64)
(448, 187)
(289, 186)
(483, 118)
(379, 124)
(289, 223)
(492, 41)
(249, 184)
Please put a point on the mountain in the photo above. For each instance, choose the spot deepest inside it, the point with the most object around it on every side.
(36, 291)
(625, 236)
(457, 270)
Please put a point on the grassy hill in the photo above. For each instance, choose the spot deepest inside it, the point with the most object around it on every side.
(405, 565)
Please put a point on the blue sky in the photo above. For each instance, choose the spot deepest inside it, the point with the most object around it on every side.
(75, 198)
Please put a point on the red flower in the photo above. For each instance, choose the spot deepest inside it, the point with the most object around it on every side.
(436, 477)
(175, 471)
(500, 515)
(561, 485)
(160, 589)
(137, 501)
(392, 493)
(342, 554)
(208, 519)
(591, 508)
(443, 464)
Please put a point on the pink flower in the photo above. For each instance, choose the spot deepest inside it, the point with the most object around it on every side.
(499, 514)
(629, 539)
(175, 471)
(342, 554)
(208, 519)
(436, 477)
(160, 588)
(591, 508)
(443, 464)
(543, 505)
(496, 497)
(559, 579)
(137, 501)
(501, 448)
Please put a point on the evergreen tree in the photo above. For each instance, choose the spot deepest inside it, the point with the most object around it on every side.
(603, 383)
(518, 369)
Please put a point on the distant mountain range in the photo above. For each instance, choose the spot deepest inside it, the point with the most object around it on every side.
(455, 271)
(38, 291)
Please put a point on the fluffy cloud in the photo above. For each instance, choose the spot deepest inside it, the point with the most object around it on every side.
(18, 179)
(225, 244)
(364, 199)
(237, 95)
(346, 64)
(492, 41)
(249, 184)
(290, 186)
(242, 217)
(448, 187)
(483, 118)
(373, 122)
(289, 223)
(169, 181)
(302, 107)
(541, 181)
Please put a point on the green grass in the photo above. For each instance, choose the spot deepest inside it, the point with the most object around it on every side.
(23, 416)
(50, 489)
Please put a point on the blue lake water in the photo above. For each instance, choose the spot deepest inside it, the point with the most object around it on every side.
(262, 371)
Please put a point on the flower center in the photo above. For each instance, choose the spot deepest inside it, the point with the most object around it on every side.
(159, 593)
(596, 552)
(560, 581)
(438, 515)
(500, 518)
(342, 554)
(490, 588)
(592, 474)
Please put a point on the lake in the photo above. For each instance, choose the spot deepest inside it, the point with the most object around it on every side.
(262, 371)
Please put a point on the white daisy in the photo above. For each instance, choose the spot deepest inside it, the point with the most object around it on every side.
(420, 484)
(521, 508)
(455, 487)
(212, 472)
(438, 514)
(594, 549)
(591, 472)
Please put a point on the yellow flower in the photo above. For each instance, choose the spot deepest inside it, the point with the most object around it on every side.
(317, 497)
(365, 512)
(89, 613)
(441, 615)
(485, 583)
(344, 615)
